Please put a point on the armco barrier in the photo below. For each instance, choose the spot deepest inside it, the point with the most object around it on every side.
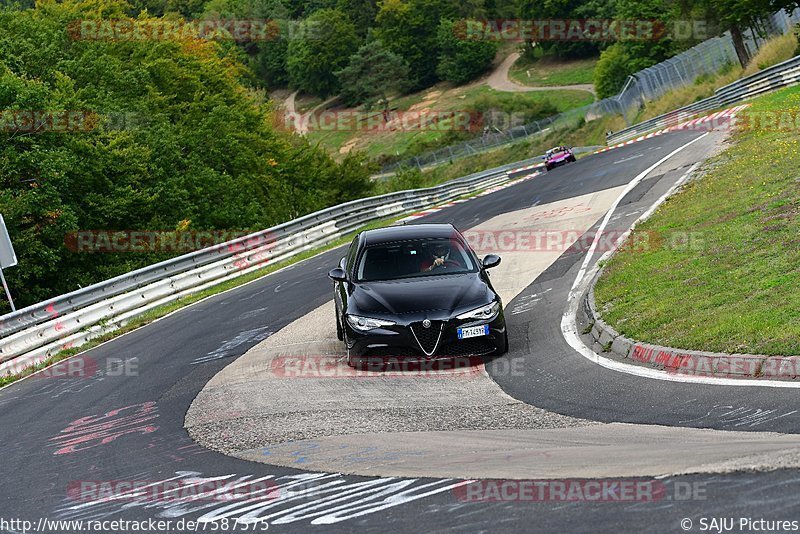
(36, 332)
(770, 79)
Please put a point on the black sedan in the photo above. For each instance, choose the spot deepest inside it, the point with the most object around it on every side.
(416, 292)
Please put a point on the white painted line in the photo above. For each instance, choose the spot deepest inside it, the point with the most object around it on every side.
(569, 328)
(628, 159)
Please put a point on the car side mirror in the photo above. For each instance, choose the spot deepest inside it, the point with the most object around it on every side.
(490, 261)
(337, 275)
(342, 262)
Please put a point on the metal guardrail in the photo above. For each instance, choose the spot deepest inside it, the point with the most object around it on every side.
(770, 79)
(36, 332)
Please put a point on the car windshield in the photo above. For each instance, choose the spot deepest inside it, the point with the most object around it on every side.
(419, 257)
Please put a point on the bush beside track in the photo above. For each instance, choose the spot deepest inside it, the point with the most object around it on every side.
(721, 267)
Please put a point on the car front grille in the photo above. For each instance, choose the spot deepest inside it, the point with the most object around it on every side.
(479, 346)
(428, 338)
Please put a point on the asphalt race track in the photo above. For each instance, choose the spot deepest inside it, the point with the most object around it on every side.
(120, 417)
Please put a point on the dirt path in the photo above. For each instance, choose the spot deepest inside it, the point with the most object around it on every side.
(499, 80)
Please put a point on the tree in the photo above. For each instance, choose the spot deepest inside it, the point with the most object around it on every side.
(611, 71)
(462, 60)
(409, 29)
(738, 15)
(325, 42)
(267, 56)
(566, 10)
(361, 12)
(200, 153)
(372, 73)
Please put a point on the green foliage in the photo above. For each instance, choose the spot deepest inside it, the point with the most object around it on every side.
(269, 62)
(361, 12)
(197, 150)
(462, 60)
(409, 29)
(371, 74)
(566, 10)
(267, 57)
(611, 71)
(519, 106)
(405, 178)
(327, 40)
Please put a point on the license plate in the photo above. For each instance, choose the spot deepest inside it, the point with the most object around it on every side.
(473, 331)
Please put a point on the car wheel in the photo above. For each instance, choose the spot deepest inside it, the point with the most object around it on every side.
(356, 362)
(339, 330)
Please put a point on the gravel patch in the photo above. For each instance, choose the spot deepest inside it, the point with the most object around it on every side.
(235, 435)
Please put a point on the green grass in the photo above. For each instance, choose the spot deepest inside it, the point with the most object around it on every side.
(735, 287)
(483, 95)
(550, 71)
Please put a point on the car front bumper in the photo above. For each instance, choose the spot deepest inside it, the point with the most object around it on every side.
(411, 341)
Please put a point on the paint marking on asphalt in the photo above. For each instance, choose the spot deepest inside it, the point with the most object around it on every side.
(628, 159)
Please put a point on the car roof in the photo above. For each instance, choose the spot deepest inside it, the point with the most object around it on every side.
(408, 231)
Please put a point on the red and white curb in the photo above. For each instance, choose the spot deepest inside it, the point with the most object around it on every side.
(489, 191)
(528, 168)
(706, 123)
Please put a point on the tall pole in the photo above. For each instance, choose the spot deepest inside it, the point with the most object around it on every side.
(8, 293)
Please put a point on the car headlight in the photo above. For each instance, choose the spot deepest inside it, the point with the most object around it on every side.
(488, 312)
(365, 324)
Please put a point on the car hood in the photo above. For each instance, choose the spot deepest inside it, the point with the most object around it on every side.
(558, 157)
(423, 294)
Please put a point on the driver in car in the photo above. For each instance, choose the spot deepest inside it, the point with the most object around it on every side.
(441, 255)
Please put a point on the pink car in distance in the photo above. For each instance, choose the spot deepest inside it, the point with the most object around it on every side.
(559, 155)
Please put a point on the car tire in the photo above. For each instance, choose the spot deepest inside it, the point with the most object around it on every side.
(339, 329)
(356, 362)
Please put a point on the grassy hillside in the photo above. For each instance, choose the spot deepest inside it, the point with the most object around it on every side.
(551, 71)
(476, 99)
